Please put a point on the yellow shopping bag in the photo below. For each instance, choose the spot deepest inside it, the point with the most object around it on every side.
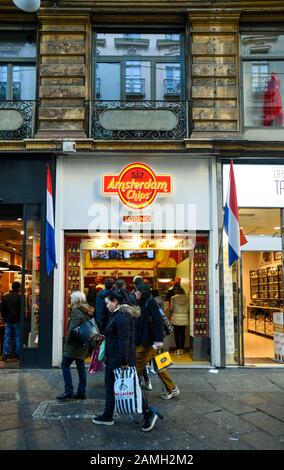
(163, 361)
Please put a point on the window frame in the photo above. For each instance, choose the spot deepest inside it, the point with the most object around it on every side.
(257, 58)
(154, 60)
(11, 61)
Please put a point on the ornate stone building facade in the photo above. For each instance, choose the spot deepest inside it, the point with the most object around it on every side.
(178, 80)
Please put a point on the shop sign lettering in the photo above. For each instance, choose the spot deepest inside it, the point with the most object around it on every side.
(137, 185)
(279, 181)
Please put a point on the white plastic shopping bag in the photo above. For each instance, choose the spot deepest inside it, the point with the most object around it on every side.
(127, 391)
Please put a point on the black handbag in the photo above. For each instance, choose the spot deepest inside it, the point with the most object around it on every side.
(85, 332)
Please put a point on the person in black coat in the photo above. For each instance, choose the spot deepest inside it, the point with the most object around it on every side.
(120, 352)
(101, 312)
(119, 347)
(149, 338)
(11, 314)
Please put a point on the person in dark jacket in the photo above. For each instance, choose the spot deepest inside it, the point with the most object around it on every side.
(101, 314)
(81, 312)
(11, 314)
(120, 285)
(119, 347)
(173, 290)
(149, 338)
(136, 281)
(91, 296)
(120, 352)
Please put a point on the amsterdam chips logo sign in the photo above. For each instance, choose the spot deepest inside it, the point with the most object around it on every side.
(137, 185)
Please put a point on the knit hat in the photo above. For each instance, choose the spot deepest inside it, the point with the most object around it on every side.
(138, 280)
(144, 288)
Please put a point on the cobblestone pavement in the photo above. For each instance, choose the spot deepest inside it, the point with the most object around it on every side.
(231, 409)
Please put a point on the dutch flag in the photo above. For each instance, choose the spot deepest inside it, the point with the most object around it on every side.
(232, 228)
(50, 235)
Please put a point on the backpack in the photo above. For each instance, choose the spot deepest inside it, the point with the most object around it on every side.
(167, 326)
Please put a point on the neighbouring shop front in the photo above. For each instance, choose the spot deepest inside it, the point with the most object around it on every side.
(120, 216)
(254, 327)
(22, 257)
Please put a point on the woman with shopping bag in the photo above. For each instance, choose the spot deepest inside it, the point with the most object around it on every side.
(120, 357)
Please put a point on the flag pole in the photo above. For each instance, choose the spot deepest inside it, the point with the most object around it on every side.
(220, 246)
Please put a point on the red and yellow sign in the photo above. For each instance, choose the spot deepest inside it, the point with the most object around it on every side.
(137, 185)
(130, 219)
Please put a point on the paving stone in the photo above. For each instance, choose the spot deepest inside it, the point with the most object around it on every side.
(262, 441)
(45, 439)
(170, 410)
(267, 423)
(272, 409)
(229, 403)
(216, 438)
(228, 421)
(190, 443)
(13, 439)
(200, 405)
(7, 396)
(11, 421)
(10, 407)
(241, 383)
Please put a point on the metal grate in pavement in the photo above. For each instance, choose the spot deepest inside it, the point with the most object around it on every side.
(69, 410)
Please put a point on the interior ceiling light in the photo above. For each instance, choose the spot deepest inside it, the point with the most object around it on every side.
(276, 228)
(164, 280)
(14, 268)
(4, 266)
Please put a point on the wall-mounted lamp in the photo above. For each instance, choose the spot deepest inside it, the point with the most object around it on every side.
(29, 6)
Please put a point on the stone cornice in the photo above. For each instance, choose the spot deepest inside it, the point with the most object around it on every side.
(222, 147)
(151, 6)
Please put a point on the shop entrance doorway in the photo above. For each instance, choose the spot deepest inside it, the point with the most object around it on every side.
(255, 293)
(164, 264)
(19, 282)
(262, 302)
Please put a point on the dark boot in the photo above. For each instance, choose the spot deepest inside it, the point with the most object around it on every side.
(151, 416)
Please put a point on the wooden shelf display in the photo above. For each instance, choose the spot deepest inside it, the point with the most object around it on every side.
(200, 289)
(266, 283)
(260, 320)
(72, 273)
(265, 287)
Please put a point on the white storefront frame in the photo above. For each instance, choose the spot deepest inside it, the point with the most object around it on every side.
(211, 227)
(258, 186)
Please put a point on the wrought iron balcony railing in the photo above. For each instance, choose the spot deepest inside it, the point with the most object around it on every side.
(171, 87)
(17, 119)
(144, 120)
(135, 86)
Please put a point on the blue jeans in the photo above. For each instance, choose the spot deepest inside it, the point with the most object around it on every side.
(12, 330)
(65, 366)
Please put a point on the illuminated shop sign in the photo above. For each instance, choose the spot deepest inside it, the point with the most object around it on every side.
(137, 185)
(257, 185)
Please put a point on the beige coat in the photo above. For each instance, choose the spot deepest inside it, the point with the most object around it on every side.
(179, 310)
